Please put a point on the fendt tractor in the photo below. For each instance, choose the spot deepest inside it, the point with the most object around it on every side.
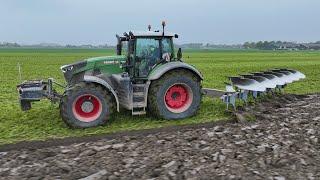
(149, 78)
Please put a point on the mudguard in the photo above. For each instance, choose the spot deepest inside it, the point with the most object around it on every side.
(95, 79)
(162, 69)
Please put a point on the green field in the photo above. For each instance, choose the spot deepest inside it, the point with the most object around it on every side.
(43, 121)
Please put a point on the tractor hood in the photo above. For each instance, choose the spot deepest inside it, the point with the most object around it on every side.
(104, 64)
(90, 63)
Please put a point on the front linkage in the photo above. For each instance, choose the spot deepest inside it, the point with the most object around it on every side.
(35, 90)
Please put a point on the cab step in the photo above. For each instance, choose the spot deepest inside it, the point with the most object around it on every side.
(138, 105)
(138, 99)
(138, 111)
(138, 94)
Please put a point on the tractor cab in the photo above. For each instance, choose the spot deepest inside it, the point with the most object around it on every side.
(145, 50)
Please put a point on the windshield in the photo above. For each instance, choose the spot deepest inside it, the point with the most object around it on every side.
(151, 47)
(148, 47)
(150, 51)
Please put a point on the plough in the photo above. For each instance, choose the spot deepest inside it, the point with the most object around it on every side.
(254, 84)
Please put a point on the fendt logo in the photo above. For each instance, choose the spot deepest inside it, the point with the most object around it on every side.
(109, 62)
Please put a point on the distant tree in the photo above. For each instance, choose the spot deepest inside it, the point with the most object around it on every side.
(247, 45)
(7, 44)
(259, 45)
(253, 45)
(70, 46)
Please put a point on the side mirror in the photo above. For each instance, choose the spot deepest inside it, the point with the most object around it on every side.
(179, 54)
(119, 49)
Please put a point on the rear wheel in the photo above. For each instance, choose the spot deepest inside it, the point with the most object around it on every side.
(86, 105)
(176, 95)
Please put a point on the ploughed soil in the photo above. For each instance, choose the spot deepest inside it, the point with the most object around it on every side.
(277, 138)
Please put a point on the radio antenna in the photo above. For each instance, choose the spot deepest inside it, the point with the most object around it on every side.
(163, 25)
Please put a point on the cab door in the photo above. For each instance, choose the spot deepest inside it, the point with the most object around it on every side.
(131, 59)
(147, 54)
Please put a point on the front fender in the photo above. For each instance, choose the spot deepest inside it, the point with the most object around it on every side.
(95, 79)
(162, 69)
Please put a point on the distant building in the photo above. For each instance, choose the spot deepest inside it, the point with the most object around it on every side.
(312, 46)
(288, 46)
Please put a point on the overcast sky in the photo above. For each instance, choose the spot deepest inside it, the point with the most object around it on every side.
(213, 21)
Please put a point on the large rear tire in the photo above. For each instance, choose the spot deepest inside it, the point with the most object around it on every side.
(86, 105)
(175, 95)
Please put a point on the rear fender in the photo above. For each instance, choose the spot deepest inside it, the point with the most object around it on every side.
(95, 79)
(162, 69)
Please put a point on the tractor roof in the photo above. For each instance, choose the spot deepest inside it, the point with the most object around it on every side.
(151, 33)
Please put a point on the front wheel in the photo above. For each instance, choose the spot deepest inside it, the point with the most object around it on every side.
(176, 95)
(86, 105)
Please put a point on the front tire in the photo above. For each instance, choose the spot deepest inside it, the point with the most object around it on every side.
(86, 105)
(176, 95)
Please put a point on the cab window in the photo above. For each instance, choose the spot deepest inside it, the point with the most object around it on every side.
(147, 55)
(166, 48)
(147, 47)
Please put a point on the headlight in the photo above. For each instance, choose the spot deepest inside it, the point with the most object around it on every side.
(66, 68)
(73, 66)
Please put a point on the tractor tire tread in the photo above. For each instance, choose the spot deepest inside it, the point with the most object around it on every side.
(80, 86)
(155, 86)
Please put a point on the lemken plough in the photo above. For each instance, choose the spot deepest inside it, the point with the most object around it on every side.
(255, 84)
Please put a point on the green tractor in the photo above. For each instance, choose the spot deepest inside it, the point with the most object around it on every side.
(148, 78)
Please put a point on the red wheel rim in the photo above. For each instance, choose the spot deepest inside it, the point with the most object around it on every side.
(87, 108)
(178, 98)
